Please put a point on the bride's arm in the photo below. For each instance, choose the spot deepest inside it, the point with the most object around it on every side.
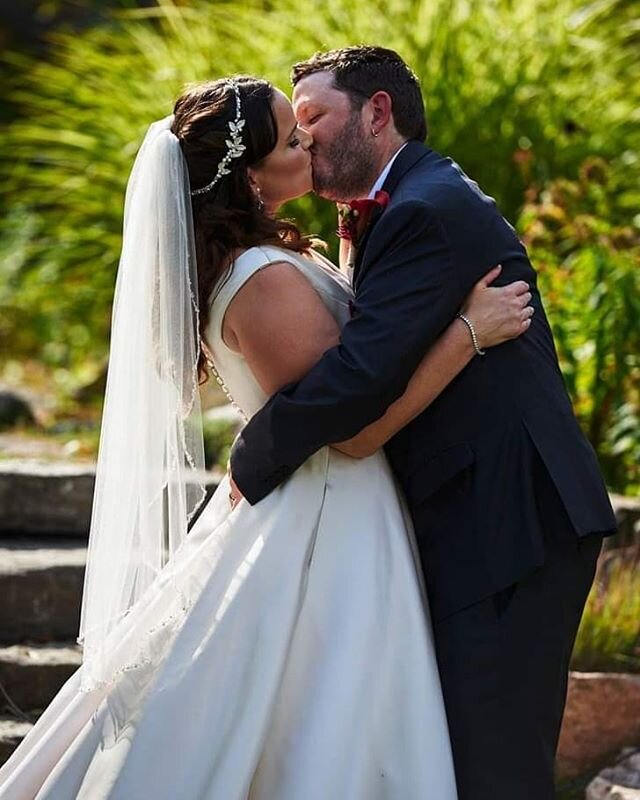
(281, 326)
(278, 322)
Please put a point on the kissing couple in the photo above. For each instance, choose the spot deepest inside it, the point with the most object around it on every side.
(380, 599)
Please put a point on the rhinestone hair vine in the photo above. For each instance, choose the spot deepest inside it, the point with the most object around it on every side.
(234, 143)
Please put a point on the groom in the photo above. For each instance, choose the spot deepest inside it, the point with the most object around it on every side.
(505, 492)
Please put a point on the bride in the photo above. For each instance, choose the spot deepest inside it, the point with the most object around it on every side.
(279, 651)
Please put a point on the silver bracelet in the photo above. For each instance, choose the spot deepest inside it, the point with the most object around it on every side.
(474, 337)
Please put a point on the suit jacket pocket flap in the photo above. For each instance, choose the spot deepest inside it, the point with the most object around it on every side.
(435, 471)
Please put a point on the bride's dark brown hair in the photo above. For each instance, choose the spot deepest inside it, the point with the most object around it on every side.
(227, 218)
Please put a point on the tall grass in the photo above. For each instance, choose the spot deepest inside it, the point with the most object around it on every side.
(609, 635)
(519, 93)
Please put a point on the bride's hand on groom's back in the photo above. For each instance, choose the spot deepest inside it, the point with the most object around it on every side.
(498, 313)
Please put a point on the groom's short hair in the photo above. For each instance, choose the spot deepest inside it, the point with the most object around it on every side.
(362, 70)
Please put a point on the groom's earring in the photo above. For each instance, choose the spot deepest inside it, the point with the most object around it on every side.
(374, 133)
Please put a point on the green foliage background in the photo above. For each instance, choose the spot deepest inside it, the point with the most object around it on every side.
(609, 635)
(524, 95)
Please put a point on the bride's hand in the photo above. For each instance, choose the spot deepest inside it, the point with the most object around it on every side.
(498, 313)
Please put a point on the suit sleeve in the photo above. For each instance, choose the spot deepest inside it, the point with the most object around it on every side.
(407, 296)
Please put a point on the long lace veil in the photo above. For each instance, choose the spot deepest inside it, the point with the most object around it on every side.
(149, 480)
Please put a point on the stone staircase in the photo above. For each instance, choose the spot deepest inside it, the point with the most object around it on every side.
(44, 521)
(45, 515)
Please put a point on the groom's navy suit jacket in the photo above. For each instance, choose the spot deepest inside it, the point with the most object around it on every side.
(465, 463)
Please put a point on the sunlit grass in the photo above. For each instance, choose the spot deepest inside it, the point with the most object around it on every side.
(609, 635)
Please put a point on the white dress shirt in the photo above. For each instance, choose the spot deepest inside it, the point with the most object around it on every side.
(383, 175)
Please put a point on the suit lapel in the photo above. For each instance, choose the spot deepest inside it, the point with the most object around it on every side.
(413, 152)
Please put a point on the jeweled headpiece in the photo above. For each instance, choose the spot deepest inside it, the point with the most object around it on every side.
(234, 143)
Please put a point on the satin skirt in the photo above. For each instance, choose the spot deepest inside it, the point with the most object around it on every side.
(302, 665)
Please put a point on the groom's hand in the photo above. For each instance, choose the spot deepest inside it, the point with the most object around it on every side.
(235, 495)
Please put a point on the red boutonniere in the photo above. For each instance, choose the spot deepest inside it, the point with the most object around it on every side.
(355, 217)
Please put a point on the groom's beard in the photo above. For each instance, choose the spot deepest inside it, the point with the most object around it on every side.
(345, 169)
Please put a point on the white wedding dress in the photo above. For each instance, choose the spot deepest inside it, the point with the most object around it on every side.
(300, 666)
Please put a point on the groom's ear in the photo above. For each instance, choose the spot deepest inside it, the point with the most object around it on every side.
(380, 108)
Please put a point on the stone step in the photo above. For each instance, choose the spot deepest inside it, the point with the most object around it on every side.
(31, 675)
(54, 499)
(12, 732)
(49, 498)
(41, 588)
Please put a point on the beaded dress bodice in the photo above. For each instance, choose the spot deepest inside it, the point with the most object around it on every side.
(231, 369)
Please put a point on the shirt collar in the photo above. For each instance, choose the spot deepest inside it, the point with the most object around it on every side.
(385, 172)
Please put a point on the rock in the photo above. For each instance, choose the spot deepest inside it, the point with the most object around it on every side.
(628, 518)
(12, 732)
(41, 589)
(602, 716)
(31, 675)
(14, 410)
(600, 789)
(46, 498)
(51, 498)
(619, 782)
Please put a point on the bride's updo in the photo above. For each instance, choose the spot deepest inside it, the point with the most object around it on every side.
(227, 218)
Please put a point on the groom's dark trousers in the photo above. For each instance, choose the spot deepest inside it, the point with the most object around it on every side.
(505, 492)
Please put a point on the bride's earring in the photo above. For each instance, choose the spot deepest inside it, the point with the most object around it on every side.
(258, 195)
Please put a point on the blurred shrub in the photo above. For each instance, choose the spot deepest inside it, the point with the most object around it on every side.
(519, 93)
(218, 438)
(609, 635)
(587, 254)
